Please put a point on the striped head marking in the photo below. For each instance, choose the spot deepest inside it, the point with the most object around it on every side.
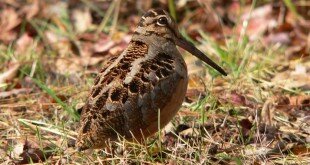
(157, 23)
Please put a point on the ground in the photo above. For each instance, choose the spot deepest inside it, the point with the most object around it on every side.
(50, 52)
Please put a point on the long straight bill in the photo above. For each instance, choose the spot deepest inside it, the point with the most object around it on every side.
(188, 46)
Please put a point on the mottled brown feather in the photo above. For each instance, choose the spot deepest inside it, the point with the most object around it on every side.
(141, 90)
(126, 109)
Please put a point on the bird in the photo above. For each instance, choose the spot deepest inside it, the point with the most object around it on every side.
(142, 89)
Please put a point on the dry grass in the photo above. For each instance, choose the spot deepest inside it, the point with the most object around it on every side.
(252, 116)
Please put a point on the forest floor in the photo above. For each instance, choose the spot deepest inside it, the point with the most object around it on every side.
(50, 52)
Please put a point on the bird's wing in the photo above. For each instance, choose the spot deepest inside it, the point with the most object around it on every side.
(122, 104)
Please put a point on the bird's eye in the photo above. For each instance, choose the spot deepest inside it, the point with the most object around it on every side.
(162, 21)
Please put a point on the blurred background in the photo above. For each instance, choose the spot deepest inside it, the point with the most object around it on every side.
(50, 52)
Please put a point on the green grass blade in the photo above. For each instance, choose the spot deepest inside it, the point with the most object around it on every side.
(172, 9)
(290, 5)
(49, 91)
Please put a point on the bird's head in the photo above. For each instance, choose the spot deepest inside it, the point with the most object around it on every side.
(158, 23)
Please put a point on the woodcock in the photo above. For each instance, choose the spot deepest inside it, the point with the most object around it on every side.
(144, 85)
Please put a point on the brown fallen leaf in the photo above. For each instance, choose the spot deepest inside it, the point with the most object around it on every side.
(282, 38)
(260, 20)
(27, 150)
(68, 66)
(235, 98)
(246, 126)
(278, 103)
(302, 28)
(300, 149)
(297, 51)
(23, 43)
(298, 79)
(104, 45)
(14, 92)
(9, 74)
(190, 132)
(31, 10)
(169, 139)
(82, 19)
(75, 64)
(9, 19)
(202, 19)
(300, 102)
